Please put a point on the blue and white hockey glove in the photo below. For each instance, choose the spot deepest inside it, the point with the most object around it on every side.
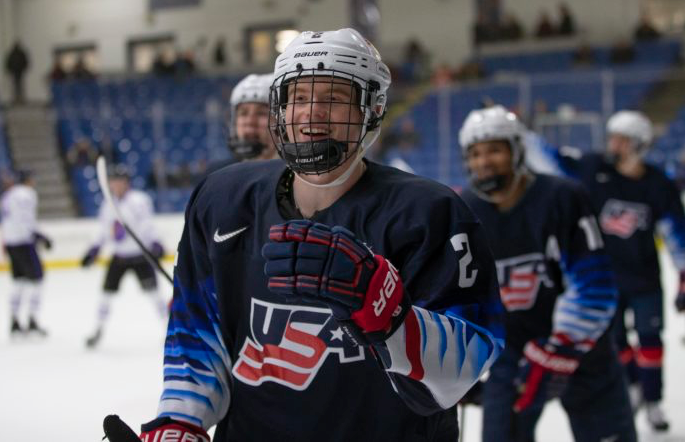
(545, 370)
(315, 263)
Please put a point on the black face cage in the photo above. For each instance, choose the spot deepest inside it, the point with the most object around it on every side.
(327, 150)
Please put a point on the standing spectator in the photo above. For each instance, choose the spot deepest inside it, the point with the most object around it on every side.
(567, 25)
(17, 63)
(220, 58)
(645, 30)
(82, 153)
(544, 27)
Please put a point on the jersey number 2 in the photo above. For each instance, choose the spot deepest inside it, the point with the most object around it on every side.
(460, 242)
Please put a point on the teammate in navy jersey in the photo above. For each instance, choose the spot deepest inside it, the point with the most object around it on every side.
(327, 297)
(635, 201)
(557, 289)
(249, 137)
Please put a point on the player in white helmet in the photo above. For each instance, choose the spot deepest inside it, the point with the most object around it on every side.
(556, 286)
(248, 127)
(635, 201)
(285, 323)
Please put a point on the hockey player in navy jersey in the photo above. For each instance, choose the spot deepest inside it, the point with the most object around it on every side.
(635, 201)
(557, 289)
(249, 136)
(325, 297)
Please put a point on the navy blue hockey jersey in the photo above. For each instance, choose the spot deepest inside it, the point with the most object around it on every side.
(554, 276)
(240, 356)
(631, 212)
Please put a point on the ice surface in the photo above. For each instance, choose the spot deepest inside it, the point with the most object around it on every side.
(57, 390)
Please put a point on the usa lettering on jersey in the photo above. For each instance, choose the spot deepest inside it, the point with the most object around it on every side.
(623, 218)
(520, 278)
(289, 344)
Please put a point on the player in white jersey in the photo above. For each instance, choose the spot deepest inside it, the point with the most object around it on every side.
(137, 211)
(20, 234)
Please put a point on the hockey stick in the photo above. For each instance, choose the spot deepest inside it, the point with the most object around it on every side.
(101, 168)
(462, 421)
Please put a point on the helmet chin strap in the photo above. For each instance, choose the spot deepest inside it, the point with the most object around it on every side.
(518, 175)
(350, 170)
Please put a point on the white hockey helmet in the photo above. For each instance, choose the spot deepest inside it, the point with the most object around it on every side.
(252, 89)
(492, 124)
(343, 54)
(631, 124)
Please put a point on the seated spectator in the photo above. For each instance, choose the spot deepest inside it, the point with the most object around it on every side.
(57, 73)
(81, 71)
(163, 64)
(442, 76)
(470, 70)
(622, 52)
(544, 28)
(82, 153)
(415, 58)
(645, 30)
(510, 28)
(583, 55)
(185, 64)
(567, 24)
(483, 30)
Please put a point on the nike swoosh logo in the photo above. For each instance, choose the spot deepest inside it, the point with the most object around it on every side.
(225, 236)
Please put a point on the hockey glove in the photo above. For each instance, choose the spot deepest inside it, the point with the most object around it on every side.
(680, 299)
(315, 263)
(157, 250)
(545, 370)
(90, 257)
(160, 429)
(39, 238)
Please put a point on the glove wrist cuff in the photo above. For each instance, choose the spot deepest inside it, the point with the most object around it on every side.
(547, 358)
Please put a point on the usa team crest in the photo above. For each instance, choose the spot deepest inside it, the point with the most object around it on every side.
(288, 345)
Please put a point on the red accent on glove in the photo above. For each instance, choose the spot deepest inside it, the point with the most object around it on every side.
(531, 388)
(175, 432)
(544, 362)
(383, 296)
(647, 357)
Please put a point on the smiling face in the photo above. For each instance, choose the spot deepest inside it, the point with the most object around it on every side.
(489, 159)
(323, 108)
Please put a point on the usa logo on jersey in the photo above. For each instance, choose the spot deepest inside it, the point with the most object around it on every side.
(520, 278)
(623, 218)
(289, 343)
